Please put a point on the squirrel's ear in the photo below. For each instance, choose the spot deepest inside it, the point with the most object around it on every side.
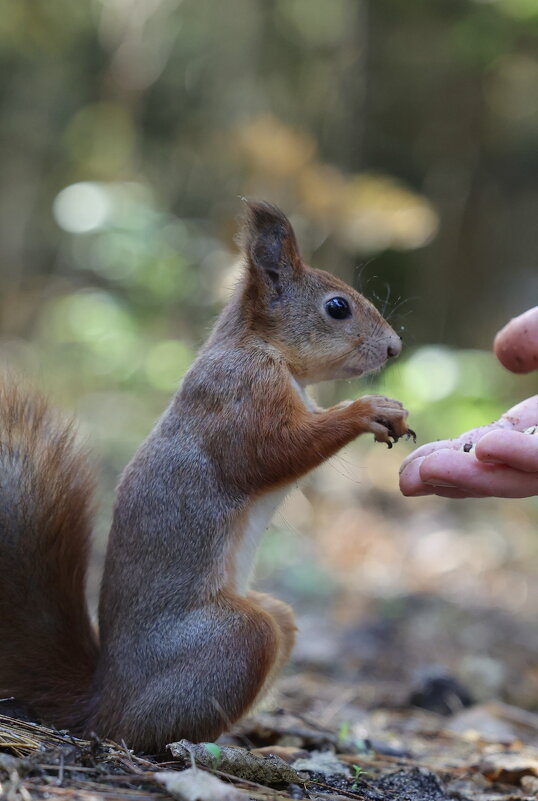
(268, 242)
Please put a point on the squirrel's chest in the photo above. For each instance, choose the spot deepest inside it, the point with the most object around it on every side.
(255, 521)
(248, 537)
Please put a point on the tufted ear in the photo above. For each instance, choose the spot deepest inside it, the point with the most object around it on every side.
(269, 244)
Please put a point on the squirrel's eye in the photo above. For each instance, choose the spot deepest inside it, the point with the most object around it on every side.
(338, 308)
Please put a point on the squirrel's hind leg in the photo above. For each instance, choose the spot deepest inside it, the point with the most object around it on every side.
(283, 615)
(198, 677)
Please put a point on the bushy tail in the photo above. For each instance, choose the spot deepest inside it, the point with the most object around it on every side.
(48, 649)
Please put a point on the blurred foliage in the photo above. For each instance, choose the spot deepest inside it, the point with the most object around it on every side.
(400, 135)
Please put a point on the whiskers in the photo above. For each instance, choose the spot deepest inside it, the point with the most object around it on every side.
(390, 309)
(358, 283)
(367, 355)
(342, 356)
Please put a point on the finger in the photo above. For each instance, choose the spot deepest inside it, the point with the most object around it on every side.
(411, 484)
(425, 450)
(442, 471)
(410, 481)
(521, 416)
(511, 448)
(516, 345)
(479, 479)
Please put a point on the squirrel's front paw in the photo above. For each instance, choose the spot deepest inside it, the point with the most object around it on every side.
(387, 419)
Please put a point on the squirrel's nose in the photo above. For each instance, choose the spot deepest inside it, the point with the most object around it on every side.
(395, 348)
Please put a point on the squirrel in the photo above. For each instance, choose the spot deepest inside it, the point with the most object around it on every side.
(185, 647)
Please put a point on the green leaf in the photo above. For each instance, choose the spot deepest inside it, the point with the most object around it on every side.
(215, 752)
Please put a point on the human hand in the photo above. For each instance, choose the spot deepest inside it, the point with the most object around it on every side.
(494, 460)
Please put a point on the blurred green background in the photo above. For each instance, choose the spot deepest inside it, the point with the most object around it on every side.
(401, 136)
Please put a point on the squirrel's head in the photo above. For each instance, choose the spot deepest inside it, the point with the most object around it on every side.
(323, 327)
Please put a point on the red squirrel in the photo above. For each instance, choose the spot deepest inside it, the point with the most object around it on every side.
(185, 647)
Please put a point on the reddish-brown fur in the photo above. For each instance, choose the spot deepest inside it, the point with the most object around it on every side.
(186, 648)
(48, 650)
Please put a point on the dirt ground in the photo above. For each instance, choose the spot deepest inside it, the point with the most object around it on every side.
(322, 743)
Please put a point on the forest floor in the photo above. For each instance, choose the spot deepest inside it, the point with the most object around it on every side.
(339, 727)
(482, 754)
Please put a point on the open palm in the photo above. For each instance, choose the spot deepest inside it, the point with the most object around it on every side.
(499, 459)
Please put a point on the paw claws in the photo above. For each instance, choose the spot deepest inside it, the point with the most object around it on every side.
(390, 417)
(410, 434)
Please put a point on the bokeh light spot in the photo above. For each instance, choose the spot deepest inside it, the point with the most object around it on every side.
(82, 207)
(431, 373)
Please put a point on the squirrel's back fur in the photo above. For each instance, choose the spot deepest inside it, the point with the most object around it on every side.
(48, 649)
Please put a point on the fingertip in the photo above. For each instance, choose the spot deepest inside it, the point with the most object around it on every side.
(516, 345)
(410, 482)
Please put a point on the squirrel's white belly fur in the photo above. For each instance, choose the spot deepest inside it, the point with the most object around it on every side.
(258, 518)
